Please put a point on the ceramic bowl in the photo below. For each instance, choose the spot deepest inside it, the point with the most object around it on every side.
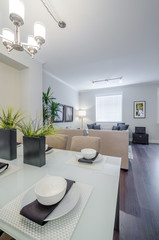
(88, 153)
(46, 147)
(50, 190)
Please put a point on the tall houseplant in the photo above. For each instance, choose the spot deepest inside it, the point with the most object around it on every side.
(9, 120)
(50, 107)
(34, 141)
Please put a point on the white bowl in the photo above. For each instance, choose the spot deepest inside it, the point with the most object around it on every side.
(50, 190)
(46, 147)
(88, 153)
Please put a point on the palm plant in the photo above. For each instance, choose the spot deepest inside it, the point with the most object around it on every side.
(50, 108)
(34, 128)
(10, 119)
(54, 108)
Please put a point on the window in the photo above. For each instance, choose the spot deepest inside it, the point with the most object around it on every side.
(109, 108)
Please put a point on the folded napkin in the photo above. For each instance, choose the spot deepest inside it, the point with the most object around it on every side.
(18, 143)
(37, 212)
(2, 165)
(48, 149)
(84, 160)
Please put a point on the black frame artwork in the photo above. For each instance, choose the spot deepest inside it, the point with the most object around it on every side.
(68, 113)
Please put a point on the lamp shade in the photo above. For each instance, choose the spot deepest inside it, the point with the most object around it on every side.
(8, 34)
(39, 31)
(16, 7)
(82, 113)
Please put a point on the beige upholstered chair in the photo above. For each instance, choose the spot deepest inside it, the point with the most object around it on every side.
(79, 142)
(58, 141)
(114, 143)
(70, 133)
(5, 236)
(19, 136)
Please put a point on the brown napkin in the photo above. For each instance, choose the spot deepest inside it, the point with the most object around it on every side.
(2, 165)
(84, 160)
(37, 212)
(48, 149)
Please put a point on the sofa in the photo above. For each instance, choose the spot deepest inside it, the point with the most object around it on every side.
(113, 143)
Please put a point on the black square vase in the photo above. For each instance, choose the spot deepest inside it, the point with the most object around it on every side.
(34, 151)
(8, 144)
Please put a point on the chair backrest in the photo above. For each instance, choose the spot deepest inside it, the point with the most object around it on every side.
(19, 136)
(80, 142)
(58, 141)
(70, 133)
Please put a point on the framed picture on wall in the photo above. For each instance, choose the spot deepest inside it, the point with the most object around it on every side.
(68, 113)
(60, 114)
(139, 109)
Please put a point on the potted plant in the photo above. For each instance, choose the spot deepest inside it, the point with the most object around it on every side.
(50, 107)
(8, 134)
(34, 141)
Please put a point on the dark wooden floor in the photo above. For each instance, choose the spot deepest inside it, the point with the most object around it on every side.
(139, 195)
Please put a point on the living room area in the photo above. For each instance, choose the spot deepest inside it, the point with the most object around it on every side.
(104, 88)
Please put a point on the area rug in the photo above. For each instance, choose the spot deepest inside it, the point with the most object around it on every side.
(130, 153)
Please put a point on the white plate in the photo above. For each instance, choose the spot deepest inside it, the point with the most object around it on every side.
(2, 169)
(65, 206)
(49, 151)
(98, 159)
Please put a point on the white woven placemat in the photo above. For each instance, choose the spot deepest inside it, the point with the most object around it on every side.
(11, 169)
(96, 165)
(59, 229)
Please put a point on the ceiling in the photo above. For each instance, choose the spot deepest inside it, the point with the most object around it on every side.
(102, 39)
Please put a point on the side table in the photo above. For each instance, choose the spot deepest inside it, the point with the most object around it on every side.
(141, 138)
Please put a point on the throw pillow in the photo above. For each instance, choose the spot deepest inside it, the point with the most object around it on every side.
(124, 127)
(119, 124)
(91, 126)
(97, 127)
(115, 128)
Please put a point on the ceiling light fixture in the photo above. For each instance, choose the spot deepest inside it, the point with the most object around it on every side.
(107, 80)
(11, 41)
(48, 5)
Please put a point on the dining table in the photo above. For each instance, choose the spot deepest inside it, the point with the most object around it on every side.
(94, 216)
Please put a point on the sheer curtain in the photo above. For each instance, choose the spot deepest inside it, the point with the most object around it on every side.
(109, 108)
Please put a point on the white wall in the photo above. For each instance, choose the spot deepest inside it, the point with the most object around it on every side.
(140, 92)
(9, 86)
(21, 83)
(64, 95)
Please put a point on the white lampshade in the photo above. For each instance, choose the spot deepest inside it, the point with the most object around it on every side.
(16, 7)
(31, 41)
(39, 30)
(82, 113)
(8, 34)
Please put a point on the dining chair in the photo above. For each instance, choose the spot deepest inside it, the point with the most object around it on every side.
(19, 136)
(80, 142)
(58, 141)
(5, 236)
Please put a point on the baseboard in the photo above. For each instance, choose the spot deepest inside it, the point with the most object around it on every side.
(150, 141)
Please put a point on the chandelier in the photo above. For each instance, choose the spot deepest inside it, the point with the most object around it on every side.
(12, 41)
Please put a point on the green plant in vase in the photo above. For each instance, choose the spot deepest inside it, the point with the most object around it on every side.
(9, 120)
(34, 141)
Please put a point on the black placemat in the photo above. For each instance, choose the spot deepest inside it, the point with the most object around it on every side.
(37, 212)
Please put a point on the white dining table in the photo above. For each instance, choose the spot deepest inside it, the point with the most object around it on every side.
(101, 211)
